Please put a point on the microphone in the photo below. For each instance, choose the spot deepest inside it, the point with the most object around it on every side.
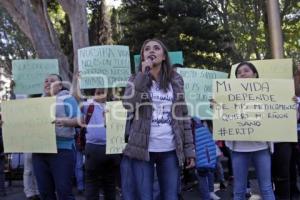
(147, 68)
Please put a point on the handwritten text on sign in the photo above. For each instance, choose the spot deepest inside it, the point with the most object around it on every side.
(104, 66)
(254, 110)
(198, 90)
(27, 125)
(115, 127)
(29, 75)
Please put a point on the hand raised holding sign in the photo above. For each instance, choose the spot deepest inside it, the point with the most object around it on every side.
(297, 80)
(1, 122)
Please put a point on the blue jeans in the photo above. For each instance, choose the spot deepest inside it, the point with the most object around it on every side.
(54, 174)
(142, 176)
(262, 164)
(205, 178)
(156, 191)
(129, 191)
(79, 169)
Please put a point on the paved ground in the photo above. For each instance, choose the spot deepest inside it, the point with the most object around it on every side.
(15, 192)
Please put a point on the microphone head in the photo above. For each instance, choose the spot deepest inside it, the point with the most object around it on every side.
(149, 58)
(152, 57)
(147, 69)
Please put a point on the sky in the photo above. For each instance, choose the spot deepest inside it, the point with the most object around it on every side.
(114, 3)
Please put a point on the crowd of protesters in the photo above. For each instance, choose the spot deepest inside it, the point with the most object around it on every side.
(163, 143)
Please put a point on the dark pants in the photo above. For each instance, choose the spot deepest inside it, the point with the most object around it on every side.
(294, 168)
(2, 175)
(100, 171)
(54, 173)
(281, 170)
(227, 153)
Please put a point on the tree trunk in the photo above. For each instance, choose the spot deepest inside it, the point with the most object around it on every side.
(76, 10)
(268, 53)
(32, 18)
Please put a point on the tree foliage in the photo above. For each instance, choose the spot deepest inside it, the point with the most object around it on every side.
(100, 32)
(211, 33)
(182, 25)
(291, 28)
(32, 17)
(247, 23)
(13, 43)
(61, 24)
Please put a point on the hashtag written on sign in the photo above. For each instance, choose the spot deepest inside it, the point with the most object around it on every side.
(235, 131)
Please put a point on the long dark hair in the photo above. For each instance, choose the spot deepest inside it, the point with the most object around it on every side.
(91, 92)
(166, 69)
(61, 81)
(250, 65)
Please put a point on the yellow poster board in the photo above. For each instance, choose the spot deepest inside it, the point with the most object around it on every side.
(273, 68)
(115, 116)
(27, 125)
(254, 110)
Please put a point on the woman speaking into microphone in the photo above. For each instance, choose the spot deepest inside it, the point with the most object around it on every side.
(160, 134)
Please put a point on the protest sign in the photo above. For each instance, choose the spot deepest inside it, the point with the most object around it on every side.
(104, 66)
(254, 110)
(29, 75)
(273, 68)
(115, 127)
(27, 125)
(198, 90)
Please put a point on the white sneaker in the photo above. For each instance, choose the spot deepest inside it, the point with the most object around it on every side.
(213, 196)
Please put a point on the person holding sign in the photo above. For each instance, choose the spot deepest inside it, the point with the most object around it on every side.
(282, 162)
(160, 133)
(54, 172)
(2, 162)
(100, 169)
(243, 152)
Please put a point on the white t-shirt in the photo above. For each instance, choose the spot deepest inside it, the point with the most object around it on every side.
(161, 134)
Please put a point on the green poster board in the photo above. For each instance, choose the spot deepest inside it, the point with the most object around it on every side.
(198, 90)
(104, 66)
(29, 75)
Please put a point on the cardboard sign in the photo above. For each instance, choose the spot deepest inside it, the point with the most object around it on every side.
(30, 75)
(198, 90)
(27, 125)
(104, 66)
(254, 110)
(115, 127)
